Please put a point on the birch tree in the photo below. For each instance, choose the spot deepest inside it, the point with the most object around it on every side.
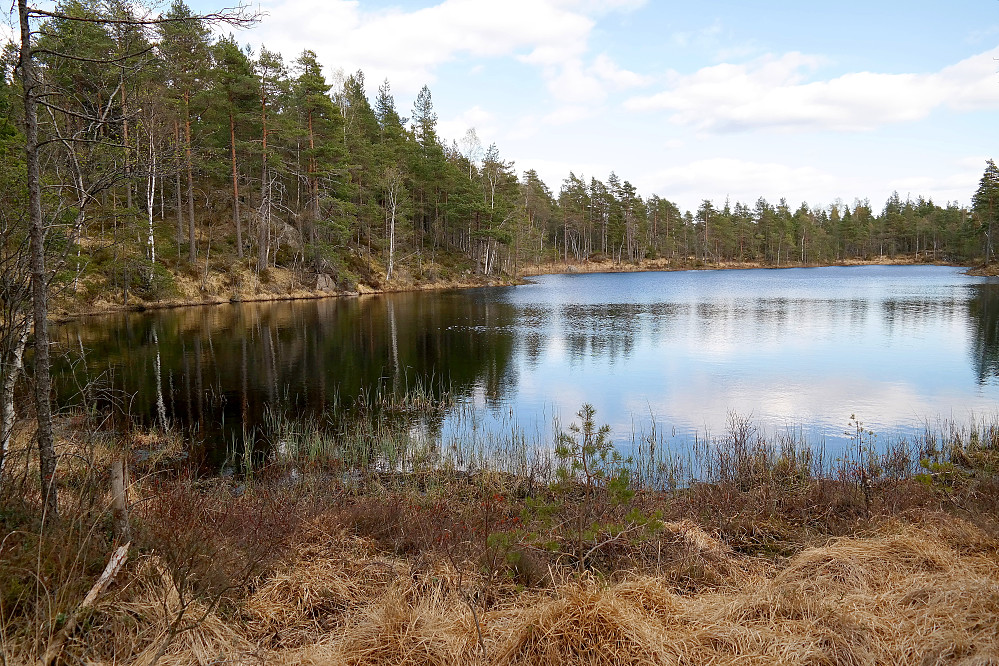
(84, 140)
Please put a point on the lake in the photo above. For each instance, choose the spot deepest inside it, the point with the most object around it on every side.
(799, 349)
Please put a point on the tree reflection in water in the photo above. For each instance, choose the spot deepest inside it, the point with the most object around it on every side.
(220, 372)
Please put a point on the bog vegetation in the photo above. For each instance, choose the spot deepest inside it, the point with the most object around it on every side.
(143, 159)
(750, 549)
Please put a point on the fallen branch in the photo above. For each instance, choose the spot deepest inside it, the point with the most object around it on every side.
(55, 645)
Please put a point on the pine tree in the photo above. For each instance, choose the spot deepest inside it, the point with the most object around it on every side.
(985, 204)
(184, 46)
(234, 99)
(319, 124)
(272, 81)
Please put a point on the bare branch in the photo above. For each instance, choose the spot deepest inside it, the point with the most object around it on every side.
(240, 16)
(102, 61)
(82, 116)
(103, 142)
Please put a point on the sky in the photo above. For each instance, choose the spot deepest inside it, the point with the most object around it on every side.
(813, 102)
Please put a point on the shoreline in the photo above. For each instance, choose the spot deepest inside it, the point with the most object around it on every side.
(66, 312)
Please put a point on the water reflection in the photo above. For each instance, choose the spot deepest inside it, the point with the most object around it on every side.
(218, 371)
(802, 348)
(984, 311)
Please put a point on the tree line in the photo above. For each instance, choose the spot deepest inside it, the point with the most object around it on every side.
(207, 151)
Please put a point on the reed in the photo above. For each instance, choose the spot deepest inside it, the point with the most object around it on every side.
(395, 539)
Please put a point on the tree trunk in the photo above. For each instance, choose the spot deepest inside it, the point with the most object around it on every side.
(124, 129)
(177, 188)
(392, 206)
(151, 198)
(119, 500)
(192, 250)
(235, 188)
(12, 368)
(39, 284)
(263, 232)
(313, 183)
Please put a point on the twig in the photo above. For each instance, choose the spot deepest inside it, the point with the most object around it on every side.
(478, 627)
(606, 541)
(114, 565)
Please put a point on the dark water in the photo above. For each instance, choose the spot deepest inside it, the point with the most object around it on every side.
(798, 348)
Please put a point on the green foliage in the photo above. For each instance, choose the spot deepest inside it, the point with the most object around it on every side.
(140, 277)
(315, 200)
(588, 462)
(587, 455)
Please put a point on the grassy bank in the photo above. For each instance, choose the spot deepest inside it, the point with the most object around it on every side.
(415, 555)
(228, 283)
(608, 266)
(225, 282)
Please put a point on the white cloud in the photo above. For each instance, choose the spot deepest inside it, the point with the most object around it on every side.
(7, 30)
(565, 115)
(553, 172)
(524, 128)
(571, 81)
(600, 7)
(407, 46)
(747, 180)
(606, 70)
(705, 37)
(773, 92)
(741, 180)
(958, 186)
(476, 117)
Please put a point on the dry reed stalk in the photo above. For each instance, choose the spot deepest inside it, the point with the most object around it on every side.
(314, 587)
(699, 558)
(586, 623)
(140, 624)
(852, 602)
(394, 631)
(899, 598)
(907, 594)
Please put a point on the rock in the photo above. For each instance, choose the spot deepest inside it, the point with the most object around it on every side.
(325, 282)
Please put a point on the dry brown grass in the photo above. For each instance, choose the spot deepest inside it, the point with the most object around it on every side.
(132, 626)
(916, 592)
(907, 594)
(312, 590)
(403, 577)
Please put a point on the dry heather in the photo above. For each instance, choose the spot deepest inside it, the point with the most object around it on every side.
(925, 593)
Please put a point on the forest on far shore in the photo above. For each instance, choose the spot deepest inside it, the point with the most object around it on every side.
(183, 156)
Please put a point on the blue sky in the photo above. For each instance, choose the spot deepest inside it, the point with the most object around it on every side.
(809, 101)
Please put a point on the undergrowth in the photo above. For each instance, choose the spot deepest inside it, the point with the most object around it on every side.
(771, 556)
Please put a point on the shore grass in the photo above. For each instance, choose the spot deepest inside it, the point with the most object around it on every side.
(751, 549)
(225, 284)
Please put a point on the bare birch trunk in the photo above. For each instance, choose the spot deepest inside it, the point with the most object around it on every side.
(12, 368)
(235, 188)
(151, 197)
(119, 500)
(39, 282)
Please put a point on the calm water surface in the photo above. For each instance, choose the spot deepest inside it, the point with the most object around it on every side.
(797, 348)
